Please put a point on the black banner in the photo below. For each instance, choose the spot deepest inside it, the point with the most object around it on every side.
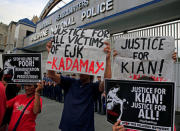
(142, 105)
(22, 68)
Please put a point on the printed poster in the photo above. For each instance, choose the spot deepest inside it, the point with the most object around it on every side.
(141, 105)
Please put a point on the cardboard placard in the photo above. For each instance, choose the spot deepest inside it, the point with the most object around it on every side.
(149, 56)
(78, 51)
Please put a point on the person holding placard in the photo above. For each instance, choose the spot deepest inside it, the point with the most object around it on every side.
(25, 108)
(78, 112)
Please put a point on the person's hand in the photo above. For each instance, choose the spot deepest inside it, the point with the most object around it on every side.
(39, 87)
(174, 56)
(107, 49)
(118, 127)
(49, 45)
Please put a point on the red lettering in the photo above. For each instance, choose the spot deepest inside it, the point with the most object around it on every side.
(54, 63)
(67, 61)
(75, 65)
(85, 64)
(61, 64)
(99, 67)
(136, 77)
(91, 68)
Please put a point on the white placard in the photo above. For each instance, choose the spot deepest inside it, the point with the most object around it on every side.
(78, 51)
(144, 56)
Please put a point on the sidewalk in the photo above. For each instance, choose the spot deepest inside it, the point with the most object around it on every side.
(49, 118)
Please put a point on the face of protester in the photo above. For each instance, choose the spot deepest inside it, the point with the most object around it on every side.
(85, 78)
(29, 89)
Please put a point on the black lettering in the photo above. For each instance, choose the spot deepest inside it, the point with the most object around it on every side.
(131, 44)
(94, 32)
(161, 44)
(77, 41)
(79, 51)
(140, 68)
(144, 41)
(73, 54)
(66, 51)
(154, 48)
(126, 44)
(61, 39)
(70, 31)
(86, 38)
(152, 68)
(71, 40)
(65, 31)
(106, 33)
(124, 67)
(136, 42)
(100, 33)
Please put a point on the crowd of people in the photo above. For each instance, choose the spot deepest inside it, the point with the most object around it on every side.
(19, 112)
(81, 98)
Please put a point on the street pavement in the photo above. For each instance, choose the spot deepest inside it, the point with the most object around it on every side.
(49, 118)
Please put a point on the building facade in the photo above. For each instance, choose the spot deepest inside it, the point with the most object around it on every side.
(115, 15)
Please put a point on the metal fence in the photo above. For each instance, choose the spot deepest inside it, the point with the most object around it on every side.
(167, 29)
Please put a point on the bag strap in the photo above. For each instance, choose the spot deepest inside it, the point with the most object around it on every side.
(17, 123)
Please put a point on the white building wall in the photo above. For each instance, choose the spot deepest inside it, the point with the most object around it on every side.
(20, 34)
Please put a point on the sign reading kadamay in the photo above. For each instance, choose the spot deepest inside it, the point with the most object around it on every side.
(78, 51)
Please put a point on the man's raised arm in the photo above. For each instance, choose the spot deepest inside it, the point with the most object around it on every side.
(107, 73)
(52, 74)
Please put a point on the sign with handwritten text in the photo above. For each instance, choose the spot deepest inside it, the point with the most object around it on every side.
(78, 51)
(144, 56)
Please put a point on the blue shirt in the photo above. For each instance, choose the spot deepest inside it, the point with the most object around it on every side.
(78, 112)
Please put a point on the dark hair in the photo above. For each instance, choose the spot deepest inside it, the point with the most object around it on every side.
(146, 78)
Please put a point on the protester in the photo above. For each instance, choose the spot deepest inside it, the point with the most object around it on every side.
(78, 113)
(25, 108)
(2, 99)
(11, 92)
(117, 126)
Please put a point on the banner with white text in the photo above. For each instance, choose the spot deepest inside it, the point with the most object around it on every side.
(141, 105)
(22, 68)
(78, 51)
(144, 56)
